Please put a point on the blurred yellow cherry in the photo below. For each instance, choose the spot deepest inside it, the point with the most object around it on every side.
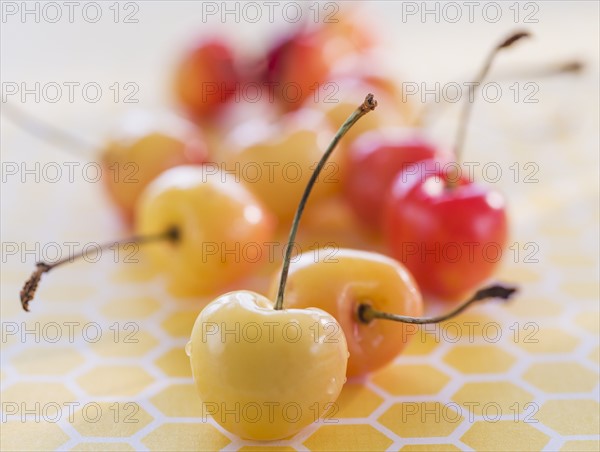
(222, 229)
(145, 145)
(276, 160)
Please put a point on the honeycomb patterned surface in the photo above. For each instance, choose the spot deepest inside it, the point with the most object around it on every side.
(99, 363)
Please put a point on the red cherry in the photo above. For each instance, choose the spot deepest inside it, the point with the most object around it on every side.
(450, 234)
(374, 160)
(447, 230)
(206, 79)
(296, 66)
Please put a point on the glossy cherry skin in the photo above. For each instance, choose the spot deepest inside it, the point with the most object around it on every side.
(257, 362)
(206, 79)
(451, 238)
(374, 161)
(223, 229)
(339, 282)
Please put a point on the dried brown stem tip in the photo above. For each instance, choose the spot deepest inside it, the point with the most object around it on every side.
(466, 113)
(572, 66)
(369, 104)
(514, 38)
(31, 285)
(501, 292)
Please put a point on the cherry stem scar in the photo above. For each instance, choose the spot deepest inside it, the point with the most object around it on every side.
(368, 105)
(366, 313)
(31, 285)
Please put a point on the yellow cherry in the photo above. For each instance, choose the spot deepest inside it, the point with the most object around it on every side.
(340, 280)
(145, 146)
(201, 231)
(263, 373)
(222, 229)
(354, 74)
(360, 289)
(276, 161)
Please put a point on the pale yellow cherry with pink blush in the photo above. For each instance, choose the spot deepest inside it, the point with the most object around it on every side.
(215, 220)
(144, 145)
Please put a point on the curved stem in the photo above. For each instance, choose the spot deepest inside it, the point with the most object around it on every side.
(44, 130)
(533, 72)
(468, 106)
(366, 313)
(31, 285)
(369, 104)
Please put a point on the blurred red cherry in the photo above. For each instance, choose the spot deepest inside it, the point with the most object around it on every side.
(296, 67)
(374, 160)
(206, 80)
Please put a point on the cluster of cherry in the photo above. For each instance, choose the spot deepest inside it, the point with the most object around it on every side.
(338, 310)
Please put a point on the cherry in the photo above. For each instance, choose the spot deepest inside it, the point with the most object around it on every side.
(449, 238)
(147, 145)
(374, 160)
(144, 145)
(295, 66)
(275, 160)
(361, 288)
(187, 220)
(339, 282)
(449, 231)
(299, 63)
(213, 217)
(206, 79)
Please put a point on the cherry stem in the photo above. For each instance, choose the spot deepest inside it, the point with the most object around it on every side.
(31, 285)
(366, 312)
(44, 130)
(368, 105)
(533, 72)
(468, 107)
(549, 70)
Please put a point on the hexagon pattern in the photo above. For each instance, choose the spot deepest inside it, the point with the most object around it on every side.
(99, 363)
